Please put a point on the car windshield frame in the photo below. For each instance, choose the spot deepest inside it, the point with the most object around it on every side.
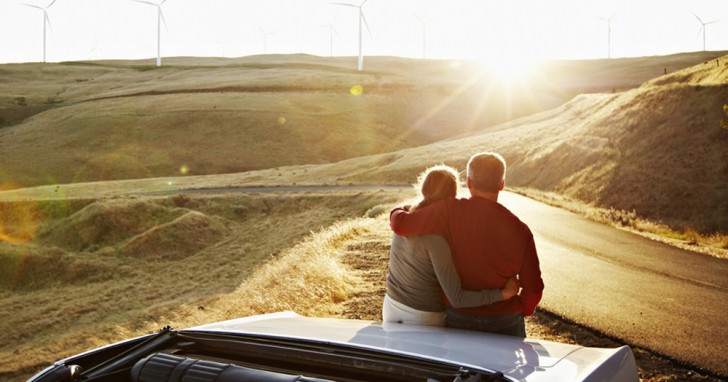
(310, 356)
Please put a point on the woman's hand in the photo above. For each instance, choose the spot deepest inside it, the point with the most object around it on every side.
(513, 286)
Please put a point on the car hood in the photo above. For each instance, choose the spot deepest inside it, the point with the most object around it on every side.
(519, 359)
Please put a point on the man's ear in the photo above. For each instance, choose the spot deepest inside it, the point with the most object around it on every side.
(502, 185)
(467, 182)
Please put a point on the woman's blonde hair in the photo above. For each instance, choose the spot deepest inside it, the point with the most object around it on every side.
(437, 183)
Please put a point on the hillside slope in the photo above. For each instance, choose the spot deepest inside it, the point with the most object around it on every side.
(95, 121)
(658, 149)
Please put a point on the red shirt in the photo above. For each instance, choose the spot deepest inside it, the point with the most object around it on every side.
(489, 245)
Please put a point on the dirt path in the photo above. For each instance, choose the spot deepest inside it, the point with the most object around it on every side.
(368, 255)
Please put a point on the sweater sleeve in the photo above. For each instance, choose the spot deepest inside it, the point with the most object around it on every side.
(449, 279)
(427, 220)
(531, 282)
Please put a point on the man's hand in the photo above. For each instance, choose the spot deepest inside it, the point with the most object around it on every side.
(511, 289)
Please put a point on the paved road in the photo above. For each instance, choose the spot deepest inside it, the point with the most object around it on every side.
(642, 291)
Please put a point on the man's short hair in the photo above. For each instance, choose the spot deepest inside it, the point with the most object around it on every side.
(487, 171)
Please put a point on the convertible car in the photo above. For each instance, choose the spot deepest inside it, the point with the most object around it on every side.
(287, 347)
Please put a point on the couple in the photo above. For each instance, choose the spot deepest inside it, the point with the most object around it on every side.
(465, 263)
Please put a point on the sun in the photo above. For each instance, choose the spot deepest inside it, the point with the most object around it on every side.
(510, 67)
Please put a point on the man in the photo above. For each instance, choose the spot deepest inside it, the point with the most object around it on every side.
(489, 245)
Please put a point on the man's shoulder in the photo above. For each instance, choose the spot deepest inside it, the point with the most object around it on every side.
(492, 209)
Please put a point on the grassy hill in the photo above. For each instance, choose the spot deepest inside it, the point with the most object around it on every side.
(657, 149)
(92, 272)
(108, 120)
(83, 264)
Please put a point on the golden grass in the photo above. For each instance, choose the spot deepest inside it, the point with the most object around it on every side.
(113, 292)
(102, 270)
(632, 150)
(80, 122)
(308, 278)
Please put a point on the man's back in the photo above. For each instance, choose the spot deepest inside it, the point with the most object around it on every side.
(489, 245)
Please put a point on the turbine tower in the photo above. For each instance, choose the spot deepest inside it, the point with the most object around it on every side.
(160, 20)
(362, 20)
(46, 21)
(702, 27)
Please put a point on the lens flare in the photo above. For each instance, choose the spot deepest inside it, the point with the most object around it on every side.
(184, 170)
(19, 222)
(282, 120)
(356, 90)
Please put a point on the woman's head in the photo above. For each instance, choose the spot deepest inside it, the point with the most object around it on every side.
(437, 183)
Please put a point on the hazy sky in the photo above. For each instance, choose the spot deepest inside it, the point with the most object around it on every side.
(462, 29)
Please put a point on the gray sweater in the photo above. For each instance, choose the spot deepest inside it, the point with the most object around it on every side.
(421, 268)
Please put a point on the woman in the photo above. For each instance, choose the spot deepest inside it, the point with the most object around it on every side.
(421, 267)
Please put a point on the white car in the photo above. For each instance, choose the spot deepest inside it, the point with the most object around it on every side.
(288, 347)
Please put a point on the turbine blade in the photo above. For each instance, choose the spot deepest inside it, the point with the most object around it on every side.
(47, 20)
(696, 16)
(34, 6)
(344, 4)
(161, 15)
(145, 2)
(362, 3)
(712, 22)
(163, 1)
(49, 5)
(365, 22)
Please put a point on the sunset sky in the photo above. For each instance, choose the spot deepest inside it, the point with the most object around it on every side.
(505, 30)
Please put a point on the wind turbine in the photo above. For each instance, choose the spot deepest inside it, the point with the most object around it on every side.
(424, 34)
(160, 20)
(332, 30)
(703, 24)
(265, 39)
(94, 52)
(46, 21)
(609, 34)
(223, 45)
(363, 20)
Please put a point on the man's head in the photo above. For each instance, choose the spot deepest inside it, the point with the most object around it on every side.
(486, 172)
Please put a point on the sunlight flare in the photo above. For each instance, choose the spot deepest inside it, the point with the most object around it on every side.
(19, 222)
(356, 90)
(511, 68)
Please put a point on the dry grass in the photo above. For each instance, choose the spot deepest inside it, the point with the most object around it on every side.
(333, 271)
(80, 122)
(307, 278)
(657, 149)
(85, 291)
(634, 150)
